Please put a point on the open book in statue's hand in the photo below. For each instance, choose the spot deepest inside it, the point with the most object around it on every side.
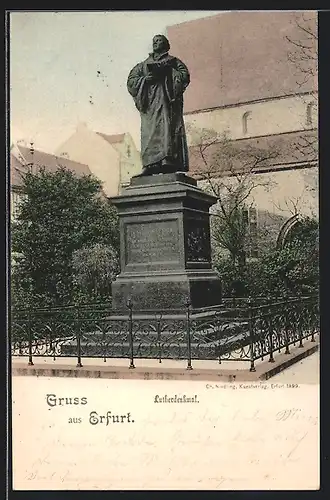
(154, 69)
(159, 68)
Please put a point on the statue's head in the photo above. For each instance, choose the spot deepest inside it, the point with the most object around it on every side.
(160, 44)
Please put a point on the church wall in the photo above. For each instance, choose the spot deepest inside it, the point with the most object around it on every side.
(269, 117)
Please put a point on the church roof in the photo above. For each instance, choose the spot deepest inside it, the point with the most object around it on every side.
(242, 56)
(281, 151)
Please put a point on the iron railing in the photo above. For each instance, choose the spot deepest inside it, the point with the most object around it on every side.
(245, 330)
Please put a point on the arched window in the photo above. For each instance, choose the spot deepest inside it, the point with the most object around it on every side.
(309, 114)
(286, 229)
(246, 117)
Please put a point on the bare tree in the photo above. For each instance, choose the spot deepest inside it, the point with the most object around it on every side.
(228, 171)
(303, 55)
(292, 205)
(302, 52)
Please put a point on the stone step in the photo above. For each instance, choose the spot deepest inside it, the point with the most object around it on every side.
(151, 349)
(203, 331)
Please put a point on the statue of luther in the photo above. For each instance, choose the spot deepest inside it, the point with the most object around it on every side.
(157, 85)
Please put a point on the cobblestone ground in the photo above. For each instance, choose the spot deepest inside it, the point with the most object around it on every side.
(306, 371)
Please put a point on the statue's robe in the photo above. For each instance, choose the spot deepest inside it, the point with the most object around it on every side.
(160, 104)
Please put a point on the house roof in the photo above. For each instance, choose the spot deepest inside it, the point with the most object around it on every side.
(52, 162)
(42, 159)
(287, 150)
(112, 139)
(16, 168)
(243, 56)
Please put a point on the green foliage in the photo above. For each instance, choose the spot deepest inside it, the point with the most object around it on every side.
(95, 268)
(60, 213)
(233, 277)
(293, 270)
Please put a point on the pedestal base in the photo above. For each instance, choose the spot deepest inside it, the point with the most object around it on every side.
(165, 245)
(167, 292)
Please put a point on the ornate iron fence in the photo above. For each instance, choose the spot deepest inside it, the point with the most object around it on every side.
(242, 331)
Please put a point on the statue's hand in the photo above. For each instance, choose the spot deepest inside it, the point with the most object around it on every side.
(150, 78)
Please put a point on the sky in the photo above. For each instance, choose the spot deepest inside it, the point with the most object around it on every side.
(68, 68)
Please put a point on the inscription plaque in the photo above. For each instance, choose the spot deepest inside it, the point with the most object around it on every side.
(152, 242)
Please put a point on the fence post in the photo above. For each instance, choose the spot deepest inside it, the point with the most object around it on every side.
(270, 333)
(311, 319)
(51, 324)
(219, 347)
(300, 325)
(159, 317)
(251, 331)
(130, 332)
(30, 363)
(189, 367)
(104, 346)
(286, 309)
(78, 337)
(20, 349)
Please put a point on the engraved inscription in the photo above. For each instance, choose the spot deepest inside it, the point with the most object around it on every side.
(149, 242)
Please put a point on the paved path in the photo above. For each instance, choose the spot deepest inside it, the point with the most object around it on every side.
(306, 371)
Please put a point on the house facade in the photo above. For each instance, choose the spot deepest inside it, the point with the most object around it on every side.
(114, 159)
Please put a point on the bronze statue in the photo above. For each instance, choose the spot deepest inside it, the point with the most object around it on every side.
(157, 86)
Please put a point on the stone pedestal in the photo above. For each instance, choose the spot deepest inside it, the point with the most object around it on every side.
(165, 245)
